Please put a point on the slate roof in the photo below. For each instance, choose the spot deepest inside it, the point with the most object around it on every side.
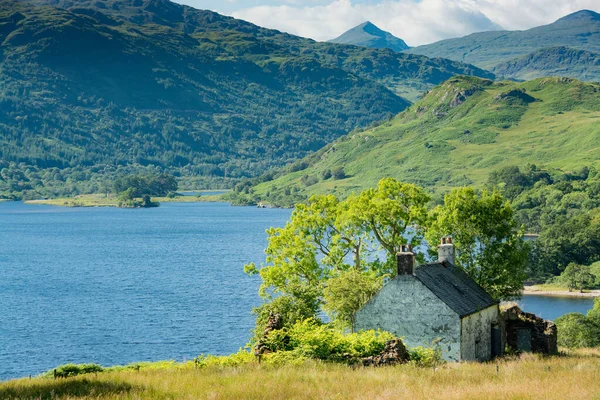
(454, 287)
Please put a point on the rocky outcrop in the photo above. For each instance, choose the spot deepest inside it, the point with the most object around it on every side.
(515, 94)
(394, 353)
(275, 322)
(528, 332)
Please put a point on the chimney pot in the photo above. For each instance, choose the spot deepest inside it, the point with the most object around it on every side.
(405, 260)
(446, 251)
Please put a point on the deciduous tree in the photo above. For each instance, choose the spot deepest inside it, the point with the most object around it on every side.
(489, 244)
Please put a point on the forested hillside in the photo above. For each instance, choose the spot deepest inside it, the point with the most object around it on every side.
(91, 86)
(458, 134)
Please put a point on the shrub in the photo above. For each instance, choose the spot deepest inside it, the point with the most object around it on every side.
(339, 173)
(240, 358)
(577, 331)
(309, 339)
(68, 370)
(425, 356)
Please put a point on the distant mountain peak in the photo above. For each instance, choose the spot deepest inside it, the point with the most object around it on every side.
(368, 34)
(581, 15)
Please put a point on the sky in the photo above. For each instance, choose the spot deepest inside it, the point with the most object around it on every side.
(416, 21)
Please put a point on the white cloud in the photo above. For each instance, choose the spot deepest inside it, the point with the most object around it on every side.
(415, 21)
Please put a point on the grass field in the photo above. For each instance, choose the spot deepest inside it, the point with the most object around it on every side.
(572, 375)
(99, 200)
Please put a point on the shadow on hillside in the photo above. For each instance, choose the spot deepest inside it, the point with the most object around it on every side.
(53, 389)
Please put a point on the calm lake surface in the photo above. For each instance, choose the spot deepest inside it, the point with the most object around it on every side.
(553, 307)
(115, 286)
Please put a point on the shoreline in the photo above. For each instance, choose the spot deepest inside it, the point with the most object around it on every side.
(534, 291)
(96, 200)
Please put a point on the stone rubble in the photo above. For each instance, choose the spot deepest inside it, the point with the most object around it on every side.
(394, 353)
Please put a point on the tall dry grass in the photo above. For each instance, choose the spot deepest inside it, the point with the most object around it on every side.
(573, 375)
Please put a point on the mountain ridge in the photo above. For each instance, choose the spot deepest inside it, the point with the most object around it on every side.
(369, 35)
(579, 30)
(552, 61)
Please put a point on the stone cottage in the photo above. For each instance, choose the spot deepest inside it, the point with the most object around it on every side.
(436, 302)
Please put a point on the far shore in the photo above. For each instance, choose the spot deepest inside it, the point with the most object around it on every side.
(99, 200)
(541, 291)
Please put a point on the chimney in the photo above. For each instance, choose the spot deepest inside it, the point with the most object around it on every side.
(446, 251)
(405, 260)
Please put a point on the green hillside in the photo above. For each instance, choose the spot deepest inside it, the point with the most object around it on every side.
(369, 35)
(90, 85)
(553, 61)
(580, 30)
(456, 135)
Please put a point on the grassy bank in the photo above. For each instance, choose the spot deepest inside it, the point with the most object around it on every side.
(573, 375)
(558, 291)
(99, 200)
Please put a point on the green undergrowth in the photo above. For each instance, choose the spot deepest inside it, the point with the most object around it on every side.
(304, 342)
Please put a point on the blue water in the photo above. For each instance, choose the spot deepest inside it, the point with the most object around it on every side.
(114, 286)
(553, 307)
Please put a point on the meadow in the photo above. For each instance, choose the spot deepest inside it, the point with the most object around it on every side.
(572, 375)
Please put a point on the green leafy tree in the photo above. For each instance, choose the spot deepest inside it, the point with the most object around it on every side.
(394, 214)
(578, 277)
(347, 292)
(489, 244)
(126, 195)
(575, 239)
(325, 238)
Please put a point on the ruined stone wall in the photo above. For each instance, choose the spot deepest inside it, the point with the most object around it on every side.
(408, 309)
(476, 334)
(528, 332)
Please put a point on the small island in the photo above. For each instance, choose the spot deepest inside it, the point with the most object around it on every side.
(132, 191)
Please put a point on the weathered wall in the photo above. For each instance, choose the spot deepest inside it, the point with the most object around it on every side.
(540, 336)
(476, 334)
(406, 308)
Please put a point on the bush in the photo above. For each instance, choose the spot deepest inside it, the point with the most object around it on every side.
(575, 330)
(426, 357)
(68, 370)
(339, 173)
(240, 358)
(310, 339)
